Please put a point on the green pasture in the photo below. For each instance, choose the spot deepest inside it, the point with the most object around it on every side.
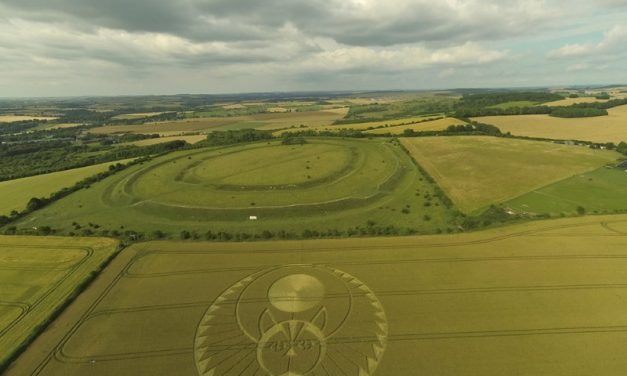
(324, 185)
(16, 193)
(600, 191)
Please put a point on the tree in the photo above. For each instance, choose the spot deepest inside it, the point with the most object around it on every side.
(34, 204)
(581, 210)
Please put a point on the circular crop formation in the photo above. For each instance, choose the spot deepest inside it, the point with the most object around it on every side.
(271, 178)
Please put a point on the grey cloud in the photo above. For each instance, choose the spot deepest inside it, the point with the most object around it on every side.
(230, 20)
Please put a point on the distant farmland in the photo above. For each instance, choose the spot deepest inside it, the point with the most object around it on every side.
(612, 128)
(267, 121)
(571, 101)
(478, 171)
(14, 118)
(454, 305)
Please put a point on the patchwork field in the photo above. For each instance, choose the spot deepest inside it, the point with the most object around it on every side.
(324, 185)
(371, 125)
(478, 171)
(22, 190)
(268, 121)
(470, 304)
(612, 128)
(599, 191)
(168, 127)
(435, 125)
(37, 276)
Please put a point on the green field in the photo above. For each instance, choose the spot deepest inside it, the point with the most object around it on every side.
(600, 191)
(543, 298)
(477, 171)
(434, 125)
(324, 185)
(37, 276)
(22, 190)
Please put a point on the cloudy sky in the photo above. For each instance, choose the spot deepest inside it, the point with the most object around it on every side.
(109, 47)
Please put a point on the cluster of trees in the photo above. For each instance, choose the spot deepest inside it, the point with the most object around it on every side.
(466, 112)
(166, 116)
(369, 230)
(602, 105)
(232, 137)
(290, 139)
(474, 128)
(492, 99)
(27, 159)
(577, 112)
(622, 148)
(19, 126)
(388, 111)
(602, 96)
(475, 105)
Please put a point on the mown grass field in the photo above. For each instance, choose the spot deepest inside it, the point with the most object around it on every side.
(435, 125)
(610, 128)
(552, 292)
(20, 191)
(477, 171)
(37, 276)
(326, 184)
(599, 191)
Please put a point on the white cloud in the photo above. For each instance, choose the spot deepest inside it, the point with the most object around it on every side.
(613, 42)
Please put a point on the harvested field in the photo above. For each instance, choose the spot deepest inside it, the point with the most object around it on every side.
(612, 128)
(14, 118)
